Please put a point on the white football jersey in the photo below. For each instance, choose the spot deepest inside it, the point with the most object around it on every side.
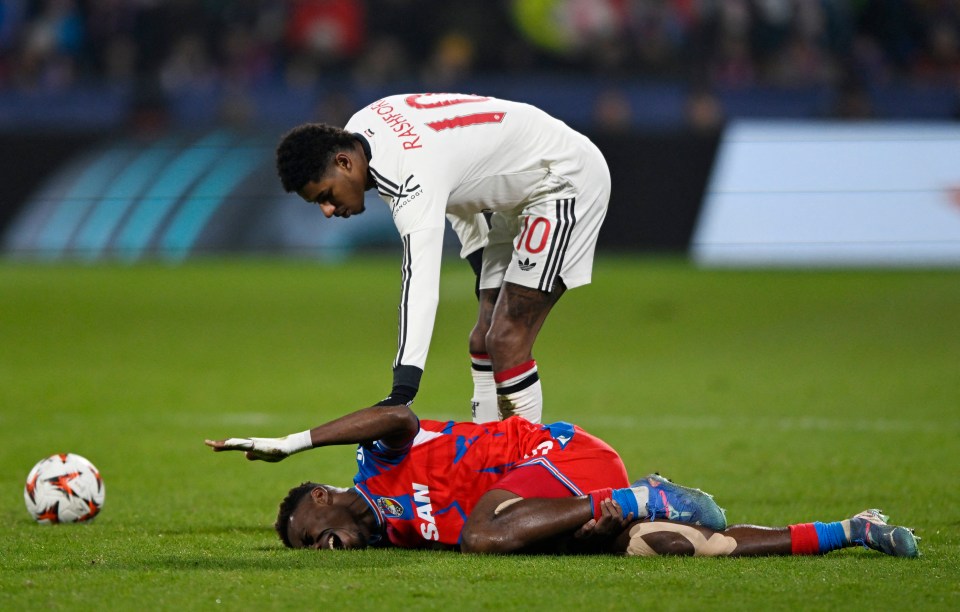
(455, 156)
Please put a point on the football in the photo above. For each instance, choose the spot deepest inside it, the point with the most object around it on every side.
(64, 488)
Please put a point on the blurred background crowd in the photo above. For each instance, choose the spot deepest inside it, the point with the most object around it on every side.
(154, 51)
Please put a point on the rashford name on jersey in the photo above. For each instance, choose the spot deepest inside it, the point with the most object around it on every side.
(398, 123)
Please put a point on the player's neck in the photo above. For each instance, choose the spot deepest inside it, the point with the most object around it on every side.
(363, 513)
(363, 161)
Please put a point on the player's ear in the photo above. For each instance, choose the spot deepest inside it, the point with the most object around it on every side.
(342, 159)
(320, 495)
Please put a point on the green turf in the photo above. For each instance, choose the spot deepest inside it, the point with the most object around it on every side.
(791, 395)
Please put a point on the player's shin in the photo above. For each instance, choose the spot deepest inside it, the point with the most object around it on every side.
(818, 538)
(484, 400)
(869, 528)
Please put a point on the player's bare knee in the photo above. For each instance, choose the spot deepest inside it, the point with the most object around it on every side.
(506, 342)
(493, 341)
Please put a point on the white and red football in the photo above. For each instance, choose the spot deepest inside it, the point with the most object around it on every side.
(64, 488)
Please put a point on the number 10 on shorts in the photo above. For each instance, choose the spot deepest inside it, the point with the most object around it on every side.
(535, 234)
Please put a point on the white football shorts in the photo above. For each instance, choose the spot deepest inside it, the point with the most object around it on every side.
(552, 237)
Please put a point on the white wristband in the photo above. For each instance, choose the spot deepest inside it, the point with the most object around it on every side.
(297, 442)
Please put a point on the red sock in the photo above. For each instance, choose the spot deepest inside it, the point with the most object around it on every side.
(598, 496)
(804, 540)
(519, 392)
(516, 378)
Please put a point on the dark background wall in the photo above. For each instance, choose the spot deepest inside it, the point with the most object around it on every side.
(658, 184)
(29, 157)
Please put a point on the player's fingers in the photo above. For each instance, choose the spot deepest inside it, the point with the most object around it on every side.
(615, 511)
(610, 508)
(236, 444)
(585, 529)
(253, 455)
(218, 445)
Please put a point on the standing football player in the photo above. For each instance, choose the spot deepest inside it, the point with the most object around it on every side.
(525, 194)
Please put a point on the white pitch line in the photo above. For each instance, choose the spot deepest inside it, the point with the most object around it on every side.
(873, 425)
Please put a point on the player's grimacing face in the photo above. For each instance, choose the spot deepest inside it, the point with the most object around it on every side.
(324, 526)
(340, 190)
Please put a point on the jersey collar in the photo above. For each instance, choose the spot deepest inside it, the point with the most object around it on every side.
(376, 513)
(365, 144)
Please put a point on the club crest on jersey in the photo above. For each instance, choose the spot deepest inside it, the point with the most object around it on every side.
(390, 507)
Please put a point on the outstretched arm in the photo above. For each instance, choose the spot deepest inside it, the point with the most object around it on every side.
(395, 425)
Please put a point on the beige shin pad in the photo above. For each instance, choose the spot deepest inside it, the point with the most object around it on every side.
(717, 545)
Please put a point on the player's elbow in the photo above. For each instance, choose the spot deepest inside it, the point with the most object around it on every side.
(399, 414)
(403, 421)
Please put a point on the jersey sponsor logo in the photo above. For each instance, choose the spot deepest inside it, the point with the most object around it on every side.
(421, 500)
(400, 194)
(398, 123)
(410, 190)
(390, 507)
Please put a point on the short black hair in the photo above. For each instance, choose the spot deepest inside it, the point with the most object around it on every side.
(287, 506)
(305, 152)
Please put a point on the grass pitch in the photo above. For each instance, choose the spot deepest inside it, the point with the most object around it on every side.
(791, 395)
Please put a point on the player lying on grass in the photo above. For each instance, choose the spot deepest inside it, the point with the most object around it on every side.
(514, 486)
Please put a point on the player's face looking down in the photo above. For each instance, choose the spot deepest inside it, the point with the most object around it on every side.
(320, 522)
(339, 191)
